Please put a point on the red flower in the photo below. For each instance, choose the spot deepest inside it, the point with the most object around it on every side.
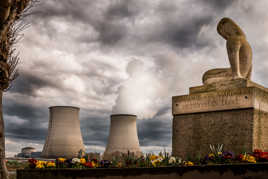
(260, 155)
(264, 155)
(89, 164)
(228, 156)
(257, 151)
(240, 157)
(32, 163)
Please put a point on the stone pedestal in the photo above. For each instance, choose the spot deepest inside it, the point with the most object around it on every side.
(232, 113)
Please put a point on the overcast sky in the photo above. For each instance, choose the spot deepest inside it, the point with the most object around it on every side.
(121, 56)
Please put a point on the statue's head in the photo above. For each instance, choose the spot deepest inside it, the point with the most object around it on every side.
(228, 28)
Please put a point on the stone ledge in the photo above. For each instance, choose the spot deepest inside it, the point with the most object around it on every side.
(230, 171)
(236, 98)
(225, 85)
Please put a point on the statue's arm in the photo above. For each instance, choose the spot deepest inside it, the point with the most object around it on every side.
(233, 47)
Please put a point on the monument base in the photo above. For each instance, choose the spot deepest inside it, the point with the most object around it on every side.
(236, 118)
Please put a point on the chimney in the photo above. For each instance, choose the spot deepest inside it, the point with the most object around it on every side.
(123, 137)
(64, 135)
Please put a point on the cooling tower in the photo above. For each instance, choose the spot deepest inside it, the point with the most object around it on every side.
(64, 135)
(123, 136)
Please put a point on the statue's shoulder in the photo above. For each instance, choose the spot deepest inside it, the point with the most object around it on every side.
(236, 38)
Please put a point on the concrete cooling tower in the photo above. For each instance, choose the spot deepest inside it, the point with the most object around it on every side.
(123, 136)
(64, 135)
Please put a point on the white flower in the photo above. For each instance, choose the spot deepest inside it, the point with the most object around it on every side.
(179, 160)
(75, 160)
(172, 160)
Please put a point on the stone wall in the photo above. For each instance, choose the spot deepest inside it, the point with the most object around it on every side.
(192, 133)
(260, 130)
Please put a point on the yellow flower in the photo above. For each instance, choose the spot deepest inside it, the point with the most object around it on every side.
(94, 165)
(211, 155)
(119, 164)
(153, 157)
(61, 159)
(51, 164)
(82, 160)
(244, 158)
(189, 163)
(251, 159)
(40, 162)
(39, 165)
(156, 161)
(219, 153)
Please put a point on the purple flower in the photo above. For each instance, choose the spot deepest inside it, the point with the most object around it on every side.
(228, 155)
(105, 163)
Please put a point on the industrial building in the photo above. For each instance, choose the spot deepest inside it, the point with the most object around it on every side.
(64, 135)
(123, 137)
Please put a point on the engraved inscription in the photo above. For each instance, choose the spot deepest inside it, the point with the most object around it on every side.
(212, 101)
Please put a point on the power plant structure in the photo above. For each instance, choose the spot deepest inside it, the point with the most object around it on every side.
(64, 137)
(123, 137)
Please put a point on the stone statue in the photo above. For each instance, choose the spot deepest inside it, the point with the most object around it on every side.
(239, 54)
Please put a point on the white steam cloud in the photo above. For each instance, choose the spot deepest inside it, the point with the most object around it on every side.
(149, 89)
(141, 93)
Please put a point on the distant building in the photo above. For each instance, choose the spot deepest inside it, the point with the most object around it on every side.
(28, 152)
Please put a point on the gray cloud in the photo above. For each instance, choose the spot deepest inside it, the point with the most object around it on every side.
(218, 5)
(24, 111)
(155, 132)
(95, 130)
(185, 35)
(24, 121)
(122, 9)
(28, 83)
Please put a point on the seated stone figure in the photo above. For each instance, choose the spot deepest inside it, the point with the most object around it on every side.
(239, 54)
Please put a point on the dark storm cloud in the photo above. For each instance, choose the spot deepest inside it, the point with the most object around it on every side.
(185, 35)
(110, 29)
(121, 8)
(28, 83)
(46, 10)
(218, 5)
(95, 130)
(162, 111)
(111, 32)
(26, 131)
(155, 132)
(110, 21)
(30, 122)
(25, 111)
(182, 31)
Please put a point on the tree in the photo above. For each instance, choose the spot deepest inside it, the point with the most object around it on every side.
(11, 12)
